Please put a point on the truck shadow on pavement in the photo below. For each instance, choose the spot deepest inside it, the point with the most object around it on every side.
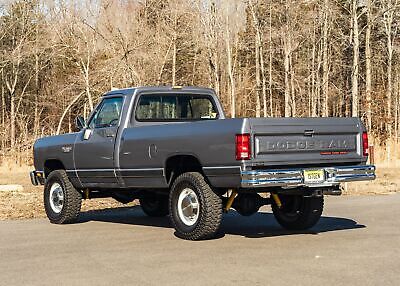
(264, 224)
(259, 225)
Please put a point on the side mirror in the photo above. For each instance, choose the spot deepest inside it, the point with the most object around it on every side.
(80, 123)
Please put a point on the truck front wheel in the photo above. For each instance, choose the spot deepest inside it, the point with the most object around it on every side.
(195, 209)
(298, 212)
(62, 201)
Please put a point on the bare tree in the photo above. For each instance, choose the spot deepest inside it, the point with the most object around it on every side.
(356, 56)
(231, 39)
(368, 72)
(325, 65)
(389, 7)
(287, 49)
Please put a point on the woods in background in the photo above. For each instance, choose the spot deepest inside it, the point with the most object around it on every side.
(263, 58)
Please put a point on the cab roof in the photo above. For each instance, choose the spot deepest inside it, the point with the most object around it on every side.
(162, 89)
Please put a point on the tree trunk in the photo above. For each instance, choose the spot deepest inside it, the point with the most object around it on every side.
(3, 112)
(174, 49)
(318, 82)
(36, 103)
(287, 85)
(368, 80)
(231, 81)
(230, 69)
(292, 88)
(174, 62)
(11, 90)
(356, 44)
(12, 120)
(258, 80)
(396, 112)
(85, 69)
(264, 81)
(216, 74)
(214, 45)
(286, 61)
(313, 72)
(68, 109)
(163, 64)
(325, 66)
(260, 71)
(389, 88)
(398, 107)
(270, 61)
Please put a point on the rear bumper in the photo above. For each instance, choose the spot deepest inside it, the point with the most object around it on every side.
(37, 178)
(294, 177)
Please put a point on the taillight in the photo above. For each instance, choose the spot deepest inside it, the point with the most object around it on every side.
(365, 143)
(243, 151)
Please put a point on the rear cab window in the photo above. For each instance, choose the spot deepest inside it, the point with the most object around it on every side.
(179, 107)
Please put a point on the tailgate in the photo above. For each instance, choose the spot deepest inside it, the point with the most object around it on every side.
(288, 141)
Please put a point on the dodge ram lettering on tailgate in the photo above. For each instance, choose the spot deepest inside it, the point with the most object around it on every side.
(173, 149)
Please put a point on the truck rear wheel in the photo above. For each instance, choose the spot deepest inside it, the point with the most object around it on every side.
(298, 212)
(195, 209)
(154, 205)
(62, 202)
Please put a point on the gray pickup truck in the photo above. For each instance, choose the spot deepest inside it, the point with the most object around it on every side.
(173, 149)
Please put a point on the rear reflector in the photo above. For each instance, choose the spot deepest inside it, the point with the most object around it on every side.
(243, 151)
(365, 143)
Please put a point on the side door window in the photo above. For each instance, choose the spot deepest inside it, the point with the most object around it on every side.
(108, 115)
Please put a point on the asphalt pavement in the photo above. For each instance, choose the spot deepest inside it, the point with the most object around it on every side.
(356, 242)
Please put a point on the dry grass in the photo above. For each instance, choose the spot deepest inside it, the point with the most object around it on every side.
(386, 154)
(28, 203)
(387, 181)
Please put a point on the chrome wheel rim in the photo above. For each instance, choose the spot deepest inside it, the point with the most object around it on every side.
(56, 198)
(188, 207)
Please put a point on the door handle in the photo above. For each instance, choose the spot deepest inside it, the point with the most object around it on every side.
(308, 133)
(109, 133)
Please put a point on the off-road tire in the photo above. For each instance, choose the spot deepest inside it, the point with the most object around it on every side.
(72, 199)
(210, 213)
(298, 212)
(154, 205)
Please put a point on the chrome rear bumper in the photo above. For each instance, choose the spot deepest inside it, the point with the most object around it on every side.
(295, 177)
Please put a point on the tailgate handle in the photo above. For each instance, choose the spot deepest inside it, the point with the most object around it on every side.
(309, 133)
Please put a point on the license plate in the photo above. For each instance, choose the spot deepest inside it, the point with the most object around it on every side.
(314, 176)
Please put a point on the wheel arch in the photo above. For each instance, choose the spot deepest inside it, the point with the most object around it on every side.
(51, 165)
(178, 164)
